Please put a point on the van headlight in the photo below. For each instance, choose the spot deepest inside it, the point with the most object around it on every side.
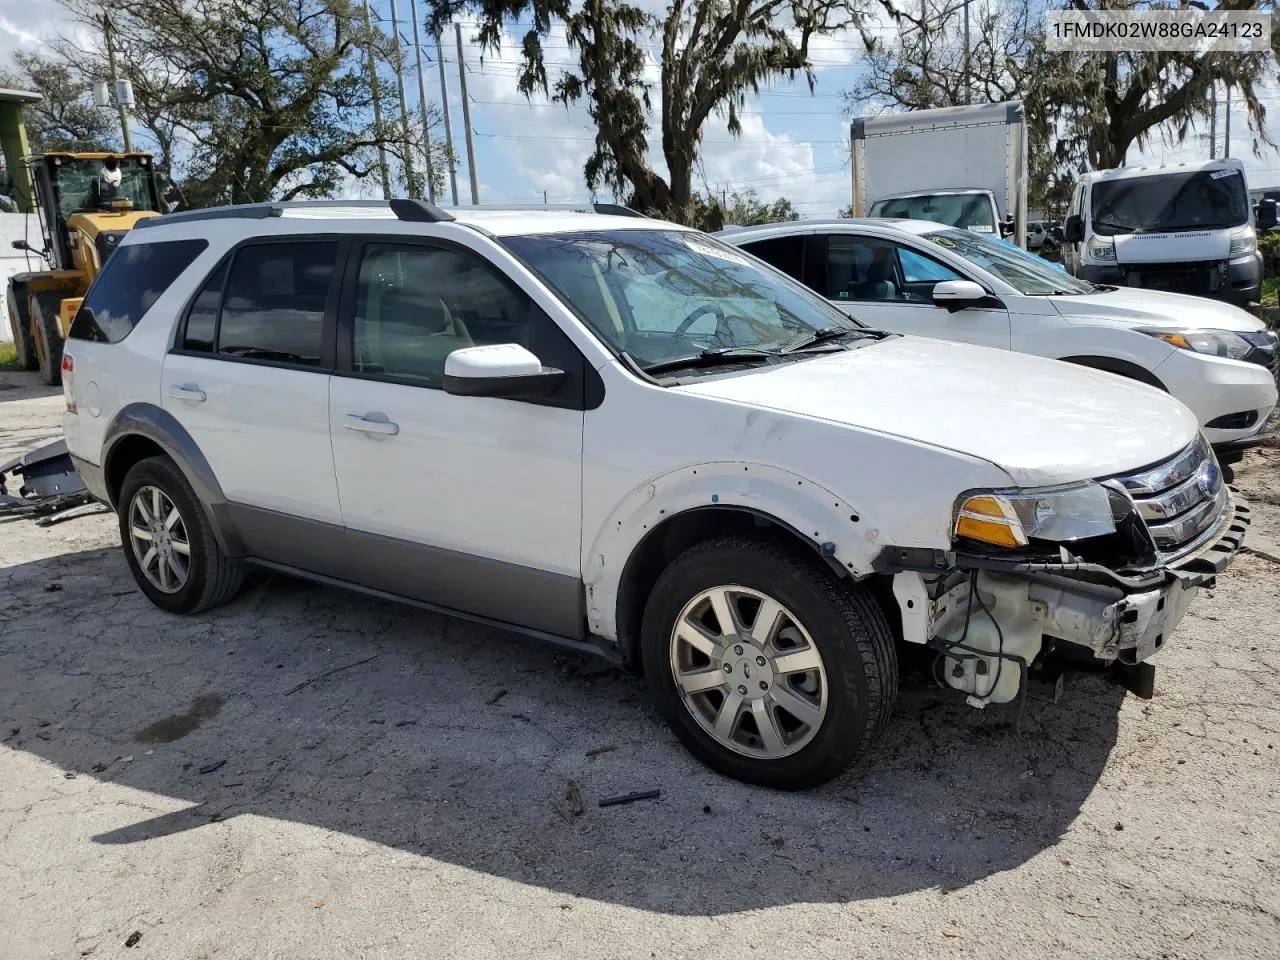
(1101, 249)
(1243, 243)
(1215, 343)
(1012, 518)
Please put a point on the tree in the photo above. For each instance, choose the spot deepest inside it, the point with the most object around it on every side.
(1084, 110)
(746, 209)
(710, 54)
(249, 100)
(66, 119)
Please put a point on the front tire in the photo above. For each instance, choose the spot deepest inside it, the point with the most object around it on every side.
(168, 543)
(20, 328)
(767, 667)
(44, 318)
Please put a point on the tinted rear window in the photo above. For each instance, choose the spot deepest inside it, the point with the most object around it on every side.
(785, 253)
(133, 279)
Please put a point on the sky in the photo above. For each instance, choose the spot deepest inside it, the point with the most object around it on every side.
(793, 142)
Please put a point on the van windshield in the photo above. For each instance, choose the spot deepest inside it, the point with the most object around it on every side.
(969, 211)
(1198, 200)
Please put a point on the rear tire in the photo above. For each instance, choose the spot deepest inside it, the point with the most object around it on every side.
(788, 701)
(44, 318)
(172, 551)
(20, 328)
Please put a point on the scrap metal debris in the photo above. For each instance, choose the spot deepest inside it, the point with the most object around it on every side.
(630, 797)
(40, 484)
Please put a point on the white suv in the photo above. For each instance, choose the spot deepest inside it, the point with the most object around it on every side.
(626, 437)
(912, 276)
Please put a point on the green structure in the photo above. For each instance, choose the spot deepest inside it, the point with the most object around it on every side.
(13, 139)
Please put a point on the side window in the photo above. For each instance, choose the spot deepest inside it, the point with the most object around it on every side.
(132, 280)
(785, 253)
(415, 305)
(274, 302)
(862, 268)
(919, 270)
(202, 316)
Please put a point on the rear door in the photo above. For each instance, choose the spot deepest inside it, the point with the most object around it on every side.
(248, 379)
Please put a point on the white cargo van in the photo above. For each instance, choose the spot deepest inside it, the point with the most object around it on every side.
(1187, 228)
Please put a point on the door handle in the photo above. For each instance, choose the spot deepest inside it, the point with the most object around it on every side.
(365, 424)
(186, 391)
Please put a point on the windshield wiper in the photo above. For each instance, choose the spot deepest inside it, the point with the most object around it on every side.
(718, 357)
(824, 336)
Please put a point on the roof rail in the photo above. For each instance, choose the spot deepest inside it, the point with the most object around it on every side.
(416, 211)
(588, 206)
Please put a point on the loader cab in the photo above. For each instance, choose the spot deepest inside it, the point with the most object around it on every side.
(99, 195)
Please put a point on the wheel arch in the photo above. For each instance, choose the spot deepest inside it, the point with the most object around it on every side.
(660, 519)
(141, 430)
(1123, 368)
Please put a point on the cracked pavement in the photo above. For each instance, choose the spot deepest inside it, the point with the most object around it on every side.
(311, 773)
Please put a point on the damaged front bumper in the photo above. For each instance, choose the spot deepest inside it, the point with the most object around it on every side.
(991, 618)
(41, 484)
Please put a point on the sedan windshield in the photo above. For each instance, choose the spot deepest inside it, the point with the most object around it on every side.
(1204, 200)
(668, 295)
(1023, 271)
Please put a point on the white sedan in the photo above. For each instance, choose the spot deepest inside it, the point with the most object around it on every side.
(917, 277)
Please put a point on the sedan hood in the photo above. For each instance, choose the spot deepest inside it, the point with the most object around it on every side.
(1042, 421)
(1132, 307)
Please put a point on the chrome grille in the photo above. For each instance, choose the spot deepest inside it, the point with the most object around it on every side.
(1181, 500)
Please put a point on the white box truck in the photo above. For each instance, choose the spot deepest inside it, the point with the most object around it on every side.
(963, 166)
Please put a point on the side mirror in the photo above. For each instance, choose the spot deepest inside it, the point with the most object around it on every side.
(957, 294)
(504, 370)
(1267, 214)
(21, 245)
(1073, 230)
(1007, 226)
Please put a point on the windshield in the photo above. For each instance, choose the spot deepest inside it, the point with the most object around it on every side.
(1021, 270)
(86, 185)
(964, 210)
(660, 295)
(1204, 200)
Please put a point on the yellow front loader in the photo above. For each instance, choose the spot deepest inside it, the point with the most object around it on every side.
(86, 203)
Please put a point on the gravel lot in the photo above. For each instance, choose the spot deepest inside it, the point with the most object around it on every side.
(310, 773)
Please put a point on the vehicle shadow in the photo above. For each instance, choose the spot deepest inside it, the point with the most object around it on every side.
(22, 385)
(460, 743)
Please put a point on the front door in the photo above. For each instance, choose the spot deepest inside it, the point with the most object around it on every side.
(470, 503)
(890, 286)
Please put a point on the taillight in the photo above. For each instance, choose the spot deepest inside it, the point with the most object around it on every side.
(68, 369)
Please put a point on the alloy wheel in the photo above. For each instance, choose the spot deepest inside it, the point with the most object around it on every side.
(159, 539)
(749, 672)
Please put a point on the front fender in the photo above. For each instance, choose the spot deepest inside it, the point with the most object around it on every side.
(838, 528)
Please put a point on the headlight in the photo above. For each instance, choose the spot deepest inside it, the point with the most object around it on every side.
(1216, 343)
(1243, 243)
(1101, 248)
(1012, 518)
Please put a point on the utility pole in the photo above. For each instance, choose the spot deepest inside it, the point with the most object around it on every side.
(967, 83)
(422, 103)
(1213, 119)
(111, 63)
(448, 127)
(1226, 127)
(375, 88)
(410, 178)
(466, 119)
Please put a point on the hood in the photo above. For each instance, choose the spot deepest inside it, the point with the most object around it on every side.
(1042, 421)
(1134, 307)
(1173, 247)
